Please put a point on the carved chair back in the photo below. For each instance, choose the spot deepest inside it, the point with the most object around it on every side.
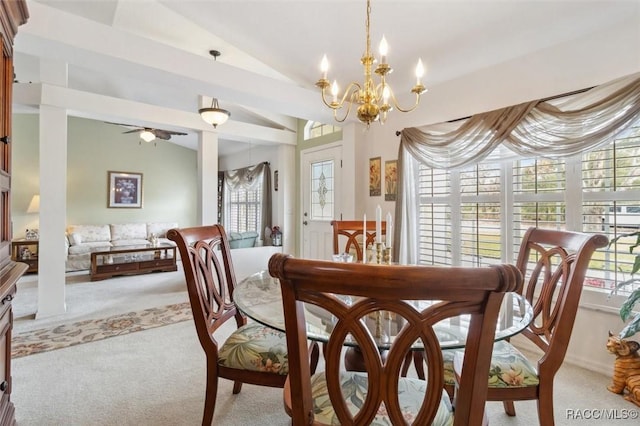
(348, 236)
(382, 291)
(554, 264)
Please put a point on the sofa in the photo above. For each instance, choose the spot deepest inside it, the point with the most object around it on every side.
(82, 240)
(242, 239)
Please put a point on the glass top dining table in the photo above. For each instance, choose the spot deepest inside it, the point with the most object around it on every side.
(258, 297)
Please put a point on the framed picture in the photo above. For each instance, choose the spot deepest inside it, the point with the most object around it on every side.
(125, 190)
(375, 177)
(390, 180)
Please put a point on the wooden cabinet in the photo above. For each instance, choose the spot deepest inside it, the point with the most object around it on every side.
(13, 13)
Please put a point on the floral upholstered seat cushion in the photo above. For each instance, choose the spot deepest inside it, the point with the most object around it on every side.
(257, 348)
(509, 367)
(354, 388)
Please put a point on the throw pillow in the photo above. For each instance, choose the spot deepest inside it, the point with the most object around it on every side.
(75, 239)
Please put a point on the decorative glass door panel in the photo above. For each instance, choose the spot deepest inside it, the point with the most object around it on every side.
(322, 192)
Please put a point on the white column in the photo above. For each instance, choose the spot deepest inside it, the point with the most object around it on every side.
(53, 197)
(208, 178)
(287, 197)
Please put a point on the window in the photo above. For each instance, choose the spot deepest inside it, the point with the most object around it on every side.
(246, 199)
(478, 215)
(314, 129)
(243, 208)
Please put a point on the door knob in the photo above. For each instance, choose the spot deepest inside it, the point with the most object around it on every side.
(305, 223)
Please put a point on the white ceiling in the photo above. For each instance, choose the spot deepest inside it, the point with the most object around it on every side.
(156, 52)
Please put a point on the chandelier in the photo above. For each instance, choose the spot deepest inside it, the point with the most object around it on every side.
(374, 101)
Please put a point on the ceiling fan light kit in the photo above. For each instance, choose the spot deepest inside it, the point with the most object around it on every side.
(147, 135)
(214, 115)
(374, 101)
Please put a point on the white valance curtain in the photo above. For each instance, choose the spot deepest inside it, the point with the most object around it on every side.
(252, 178)
(554, 128)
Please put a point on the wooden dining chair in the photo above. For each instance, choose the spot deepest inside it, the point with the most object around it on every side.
(382, 293)
(554, 264)
(347, 236)
(252, 353)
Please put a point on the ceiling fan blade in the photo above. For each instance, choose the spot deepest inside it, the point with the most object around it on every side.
(161, 134)
(120, 124)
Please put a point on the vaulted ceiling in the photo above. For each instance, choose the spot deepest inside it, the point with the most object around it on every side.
(147, 62)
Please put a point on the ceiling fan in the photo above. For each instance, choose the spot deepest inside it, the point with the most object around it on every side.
(149, 134)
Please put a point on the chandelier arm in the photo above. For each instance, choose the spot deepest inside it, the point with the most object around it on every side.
(324, 99)
(398, 107)
(351, 91)
(354, 96)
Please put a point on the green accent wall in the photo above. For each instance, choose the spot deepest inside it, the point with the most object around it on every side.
(94, 148)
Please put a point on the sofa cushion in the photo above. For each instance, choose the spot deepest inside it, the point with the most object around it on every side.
(90, 233)
(159, 229)
(133, 242)
(128, 231)
(85, 248)
(242, 239)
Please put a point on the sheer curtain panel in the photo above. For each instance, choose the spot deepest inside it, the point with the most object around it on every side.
(554, 128)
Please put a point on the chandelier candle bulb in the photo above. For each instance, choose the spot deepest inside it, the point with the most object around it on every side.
(334, 91)
(324, 67)
(419, 71)
(384, 49)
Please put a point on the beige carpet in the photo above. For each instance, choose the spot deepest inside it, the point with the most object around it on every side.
(157, 376)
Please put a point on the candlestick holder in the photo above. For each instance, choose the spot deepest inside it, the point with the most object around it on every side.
(379, 252)
(387, 256)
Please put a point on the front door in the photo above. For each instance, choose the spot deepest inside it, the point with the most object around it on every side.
(321, 180)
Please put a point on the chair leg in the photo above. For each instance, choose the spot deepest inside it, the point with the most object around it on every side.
(237, 387)
(509, 408)
(211, 394)
(416, 357)
(314, 356)
(406, 364)
(417, 362)
(545, 405)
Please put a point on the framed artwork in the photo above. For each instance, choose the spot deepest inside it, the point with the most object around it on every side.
(390, 180)
(124, 190)
(375, 177)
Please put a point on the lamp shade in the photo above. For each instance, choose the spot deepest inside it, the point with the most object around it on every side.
(34, 205)
(214, 115)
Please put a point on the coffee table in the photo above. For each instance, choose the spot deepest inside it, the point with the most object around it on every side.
(132, 260)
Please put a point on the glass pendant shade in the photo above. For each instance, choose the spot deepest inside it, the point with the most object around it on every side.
(214, 115)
